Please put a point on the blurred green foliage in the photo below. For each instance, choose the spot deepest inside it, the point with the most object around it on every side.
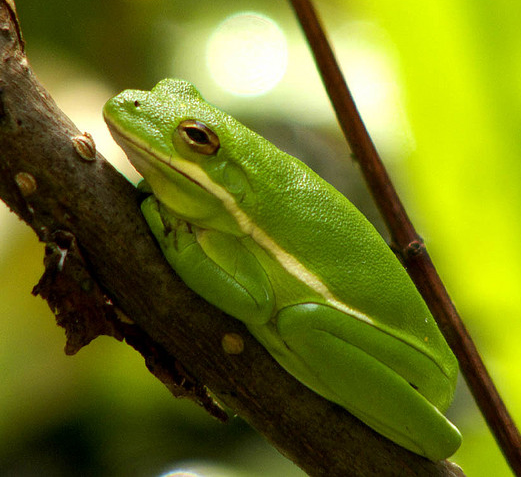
(446, 118)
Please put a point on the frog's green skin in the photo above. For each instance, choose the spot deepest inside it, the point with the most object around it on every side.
(258, 234)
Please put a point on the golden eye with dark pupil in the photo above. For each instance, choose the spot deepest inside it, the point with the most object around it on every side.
(199, 137)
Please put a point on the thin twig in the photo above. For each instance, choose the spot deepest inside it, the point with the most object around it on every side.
(408, 242)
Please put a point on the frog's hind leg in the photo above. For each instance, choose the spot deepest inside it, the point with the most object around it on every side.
(323, 357)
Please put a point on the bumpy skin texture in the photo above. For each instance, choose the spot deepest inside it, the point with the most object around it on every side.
(261, 236)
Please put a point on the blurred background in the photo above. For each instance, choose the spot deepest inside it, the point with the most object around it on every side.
(438, 84)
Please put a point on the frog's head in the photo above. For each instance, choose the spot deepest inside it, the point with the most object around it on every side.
(189, 152)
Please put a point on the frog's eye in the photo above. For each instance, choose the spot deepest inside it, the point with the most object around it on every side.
(198, 137)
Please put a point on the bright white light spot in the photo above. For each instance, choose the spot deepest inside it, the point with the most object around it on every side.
(247, 54)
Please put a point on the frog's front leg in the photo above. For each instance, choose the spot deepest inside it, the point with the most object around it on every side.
(215, 265)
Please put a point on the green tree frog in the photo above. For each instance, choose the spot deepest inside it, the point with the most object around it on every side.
(258, 234)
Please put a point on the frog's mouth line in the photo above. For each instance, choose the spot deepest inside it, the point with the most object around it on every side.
(123, 139)
(179, 171)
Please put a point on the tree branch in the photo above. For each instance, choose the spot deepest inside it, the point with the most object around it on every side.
(99, 246)
(407, 241)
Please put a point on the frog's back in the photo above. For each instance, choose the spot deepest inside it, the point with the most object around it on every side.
(310, 219)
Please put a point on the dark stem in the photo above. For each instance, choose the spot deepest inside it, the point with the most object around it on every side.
(407, 241)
